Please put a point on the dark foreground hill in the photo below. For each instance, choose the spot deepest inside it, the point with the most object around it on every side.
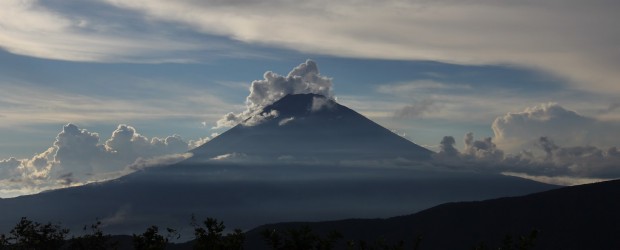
(578, 217)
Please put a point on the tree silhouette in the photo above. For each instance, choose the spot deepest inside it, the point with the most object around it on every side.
(524, 242)
(212, 238)
(299, 239)
(151, 239)
(95, 240)
(33, 235)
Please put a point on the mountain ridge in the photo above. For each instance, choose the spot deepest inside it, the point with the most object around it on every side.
(576, 217)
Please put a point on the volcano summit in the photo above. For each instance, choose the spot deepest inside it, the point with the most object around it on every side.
(300, 142)
(295, 154)
(311, 127)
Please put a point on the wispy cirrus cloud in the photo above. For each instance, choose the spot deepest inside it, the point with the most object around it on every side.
(24, 103)
(574, 40)
(539, 35)
(95, 31)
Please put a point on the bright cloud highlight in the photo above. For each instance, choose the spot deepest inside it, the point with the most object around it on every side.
(78, 156)
(303, 79)
(584, 150)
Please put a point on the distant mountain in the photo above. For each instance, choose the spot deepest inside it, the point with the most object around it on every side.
(293, 172)
(312, 127)
(578, 217)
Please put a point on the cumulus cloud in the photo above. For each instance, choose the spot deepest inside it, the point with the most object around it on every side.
(545, 143)
(126, 143)
(303, 79)
(547, 162)
(78, 156)
(446, 147)
(518, 131)
(484, 150)
(474, 150)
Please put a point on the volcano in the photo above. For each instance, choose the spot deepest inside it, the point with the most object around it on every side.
(297, 146)
(311, 127)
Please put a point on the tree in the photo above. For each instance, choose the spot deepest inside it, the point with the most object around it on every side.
(299, 239)
(33, 235)
(151, 239)
(95, 240)
(212, 238)
(523, 243)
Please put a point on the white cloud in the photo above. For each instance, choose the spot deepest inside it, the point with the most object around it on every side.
(31, 28)
(260, 118)
(24, 103)
(128, 144)
(422, 85)
(78, 156)
(232, 157)
(285, 121)
(553, 163)
(319, 104)
(303, 79)
(519, 130)
(557, 180)
(542, 35)
(572, 39)
(157, 161)
(197, 143)
(547, 143)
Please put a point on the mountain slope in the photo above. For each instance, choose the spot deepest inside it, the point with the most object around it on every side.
(578, 217)
(249, 195)
(312, 127)
(295, 173)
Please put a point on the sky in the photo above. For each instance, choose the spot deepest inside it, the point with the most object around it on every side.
(105, 83)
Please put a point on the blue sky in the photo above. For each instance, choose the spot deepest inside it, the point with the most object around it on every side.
(425, 69)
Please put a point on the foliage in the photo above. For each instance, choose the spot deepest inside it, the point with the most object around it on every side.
(33, 235)
(95, 240)
(36, 236)
(523, 243)
(380, 244)
(151, 239)
(212, 238)
(299, 239)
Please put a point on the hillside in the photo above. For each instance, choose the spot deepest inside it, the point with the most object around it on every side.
(578, 217)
